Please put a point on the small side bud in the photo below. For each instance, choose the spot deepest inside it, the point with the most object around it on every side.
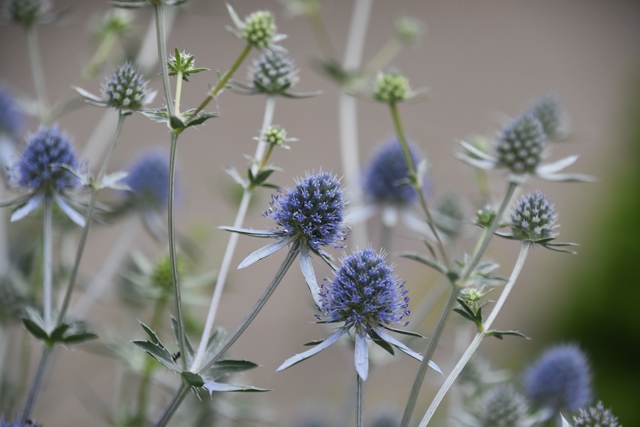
(391, 87)
(259, 29)
(408, 30)
(275, 135)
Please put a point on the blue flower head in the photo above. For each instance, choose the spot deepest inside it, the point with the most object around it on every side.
(39, 168)
(521, 145)
(560, 379)
(148, 179)
(385, 178)
(549, 111)
(125, 89)
(534, 218)
(368, 299)
(311, 213)
(274, 72)
(11, 119)
(365, 293)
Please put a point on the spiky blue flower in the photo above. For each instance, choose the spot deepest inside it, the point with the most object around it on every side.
(43, 169)
(148, 179)
(308, 217)
(274, 71)
(11, 119)
(385, 179)
(596, 416)
(550, 113)
(503, 406)
(534, 217)
(365, 293)
(560, 379)
(368, 299)
(521, 145)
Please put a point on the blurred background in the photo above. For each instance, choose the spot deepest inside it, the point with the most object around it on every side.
(481, 61)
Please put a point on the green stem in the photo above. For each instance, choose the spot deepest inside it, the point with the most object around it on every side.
(172, 250)
(173, 406)
(524, 250)
(428, 354)
(388, 51)
(223, 80)
(37, 72)
(158, 9)
(37, 382)
(101, 53)
(291, 256)
(88, 220)
(149, 365)
(178, 92)
(233, 238)
(416, 181)
(48, 263)
(486, 237)
(359, 401)
(321, 35)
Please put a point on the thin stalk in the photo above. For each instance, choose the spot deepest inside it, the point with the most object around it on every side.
(149, 364)
(37, 72)
(37, 382)
(321, 34)
(48, 262)
(223, 81)
(178, 92)
(233, 238)
(88, 220)
(348, 113)
(359, 401)
(416, 182)
(172, 250)
(158, 9)
(386, 233)
(524, 249)
(486, 237)
(105, 275)
(284, 267)
(388, 51)
(101, 54)
(173, 406)
(428, 354)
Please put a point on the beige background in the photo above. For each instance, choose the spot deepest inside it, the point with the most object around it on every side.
(478, 58)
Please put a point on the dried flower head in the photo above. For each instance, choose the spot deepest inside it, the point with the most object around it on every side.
(534, 218)
(365, 293)
(311, 213)
(596, 416)
(385, 179)
(148, 179)
(274, 72)
(521, 145)
(503, 406)
(391, 87)
(551, 115)
(560, 379)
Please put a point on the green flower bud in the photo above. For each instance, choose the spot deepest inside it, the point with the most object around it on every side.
(275, 135)
(391, 87)
(259, 29)
(27, 12)
(162, 277)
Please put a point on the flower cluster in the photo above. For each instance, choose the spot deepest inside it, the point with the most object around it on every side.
(533, 218)
(560, 379)
(275, 135)
(273, 72)
(391, 87)
(385, 179)
(259, 29)
(595, 416)
(521, 145)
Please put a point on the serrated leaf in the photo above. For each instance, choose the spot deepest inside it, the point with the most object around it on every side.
(152, 335)
(159, 353)
(193, 379)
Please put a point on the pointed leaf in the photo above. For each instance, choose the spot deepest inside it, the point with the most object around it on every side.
(361, 354)
(151, 334)
(224, 367)
(212, 386)
(79, 337)
(194, 380)
(67, 209)
(159, 353)
(58, 333)
(382, 343)
(309, 275)
(188, 347)
(404, 348)
(235, 175)
(35, 329)
(202, 117)
(404, 332)
(424, 260)
(27, 208)
(500, 334)
(249, 232)
(263, 252)
(315, 350)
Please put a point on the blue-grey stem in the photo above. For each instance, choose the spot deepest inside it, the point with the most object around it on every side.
(173, 405)
(88, 220)
(359, 401)
(158, 9)
(524, 250)
(172, 249)
(37, 72)
(37, 383)
(48, 262)
(261, 158)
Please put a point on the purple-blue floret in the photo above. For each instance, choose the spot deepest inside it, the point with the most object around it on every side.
(149, 179)
(560, 379)
(40, 169)
(11, 119)
(365, 292)
(383, 179)
(311, 213)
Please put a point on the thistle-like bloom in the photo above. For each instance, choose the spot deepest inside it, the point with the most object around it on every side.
(148, 180)
(385, 179)
(273, 74)
(308, 216)
(366, 298)
(43, 169)
(520, 148)
(11, 118)
(258, 29)
(551, 115)
(503, 406)
(560, 380)
(595, 416)
(125, 90)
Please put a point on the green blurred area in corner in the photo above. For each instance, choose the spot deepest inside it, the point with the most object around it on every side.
(602, 313)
